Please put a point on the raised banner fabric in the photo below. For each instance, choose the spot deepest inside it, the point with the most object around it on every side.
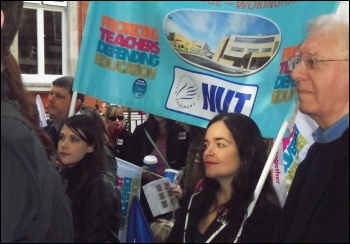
(190, 60)
(129, 181)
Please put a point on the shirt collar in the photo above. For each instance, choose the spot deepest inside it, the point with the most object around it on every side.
(58, 127)
(333, 133)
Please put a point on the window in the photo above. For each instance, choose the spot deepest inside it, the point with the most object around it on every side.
(255, 40)
(28, 43)
(41, 41)
(252, 50)
(237, 49)
(57, 3)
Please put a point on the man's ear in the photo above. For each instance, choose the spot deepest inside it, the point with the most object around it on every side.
(2, 18)
(77, 104)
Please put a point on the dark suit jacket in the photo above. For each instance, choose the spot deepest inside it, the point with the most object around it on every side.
(53, 133)
(317, 206)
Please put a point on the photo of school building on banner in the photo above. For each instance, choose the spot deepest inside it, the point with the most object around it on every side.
(191, 60)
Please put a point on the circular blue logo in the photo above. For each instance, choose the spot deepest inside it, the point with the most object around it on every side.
(139, 88)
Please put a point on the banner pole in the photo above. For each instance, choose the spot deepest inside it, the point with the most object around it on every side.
(285, 125)
(72, 103)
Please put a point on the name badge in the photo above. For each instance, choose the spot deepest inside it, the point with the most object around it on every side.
(120, 142)
(182, 136)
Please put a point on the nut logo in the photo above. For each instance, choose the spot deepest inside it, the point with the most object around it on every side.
(186, 92)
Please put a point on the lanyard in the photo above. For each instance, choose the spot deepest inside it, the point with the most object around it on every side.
(159, 152)
(223, 224)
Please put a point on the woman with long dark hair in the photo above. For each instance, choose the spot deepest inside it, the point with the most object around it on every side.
(94, 194)
(234, 159)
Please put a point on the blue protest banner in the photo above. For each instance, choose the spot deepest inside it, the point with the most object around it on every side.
(189, 60)
(138, 228)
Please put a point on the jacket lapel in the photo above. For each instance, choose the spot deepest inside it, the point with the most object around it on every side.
(316, 181)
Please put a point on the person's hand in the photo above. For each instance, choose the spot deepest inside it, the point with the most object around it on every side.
(149, 175)
(146, 173)
(176, 190)
(180, 176)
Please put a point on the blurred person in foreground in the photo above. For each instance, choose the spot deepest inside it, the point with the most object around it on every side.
(34, 206)
(317, 206)
(234, 159)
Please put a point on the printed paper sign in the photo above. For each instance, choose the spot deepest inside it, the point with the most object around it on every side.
(160, 197)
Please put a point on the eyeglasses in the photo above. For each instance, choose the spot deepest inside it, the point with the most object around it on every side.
(307, 62)
(114, 118)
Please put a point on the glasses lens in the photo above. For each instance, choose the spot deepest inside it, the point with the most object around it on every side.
(292, 63)
(311, 63)
(114, 118)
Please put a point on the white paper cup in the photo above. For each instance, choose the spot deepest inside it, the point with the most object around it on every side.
(151, 162)
(171, 174)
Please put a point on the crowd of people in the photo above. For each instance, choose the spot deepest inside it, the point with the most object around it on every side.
(60, 183)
